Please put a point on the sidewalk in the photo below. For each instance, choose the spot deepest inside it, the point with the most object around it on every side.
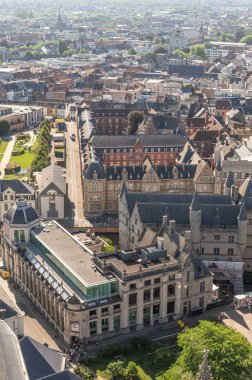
(7, 156)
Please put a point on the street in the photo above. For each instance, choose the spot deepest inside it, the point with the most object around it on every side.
(35, 325)
(74, 207)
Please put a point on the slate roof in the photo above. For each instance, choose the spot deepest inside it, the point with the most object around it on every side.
(21, 214)
(7, 305)
(212, 214)
(94, 166)
(40, 360)
(64, 375)
(230, 179)
(187, 70)
(170, 198)
(20, 188)
(12, 365)
(52, 179)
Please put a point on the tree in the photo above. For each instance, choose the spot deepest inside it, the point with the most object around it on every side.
(84, 373)
(4, 128)
(230, 355)
(115, 370)
(247, 39)
(119, 371)
(28, 56)
(199, 51)
(62, 46)
(135, 118)
(132, 51)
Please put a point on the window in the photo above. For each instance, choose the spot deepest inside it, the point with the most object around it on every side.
(16, 235)
(156, 292)
(230, 251)
(172, 277)
(157, 280)
(202, 287)
(92, 313)
(216, 251)
(12, 197)
(117, 322)
(188, 276)
(93, 327)
(155, 310)
(105, 310)
(133, 299)
(132, 316)
(105, 324)
(132, 286)
(202, 250)
(171, 290)
(231, 239)
(5, 197)
(147, 282)
(217, 237)
(187, 291)
(117, 307)
(6, 207)
(201, 302)
(147, 295)
(170, 307)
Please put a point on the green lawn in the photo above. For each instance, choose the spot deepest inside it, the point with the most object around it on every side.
(3, 146)
(24, 160)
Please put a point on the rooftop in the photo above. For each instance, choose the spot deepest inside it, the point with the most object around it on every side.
(70, 252)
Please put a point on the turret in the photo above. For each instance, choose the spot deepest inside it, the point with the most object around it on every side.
(242, 226)
(218, 177)
(229, 183)
(204, 369)
(195, 220)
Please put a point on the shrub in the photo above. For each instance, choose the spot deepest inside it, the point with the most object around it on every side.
(84, 373)
(18, 152)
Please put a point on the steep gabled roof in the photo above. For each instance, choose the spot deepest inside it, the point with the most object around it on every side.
(40, 360)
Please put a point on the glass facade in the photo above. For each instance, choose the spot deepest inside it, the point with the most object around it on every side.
(89, 292)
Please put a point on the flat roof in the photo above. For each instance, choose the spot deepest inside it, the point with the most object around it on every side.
(70, 252)
(133, 266)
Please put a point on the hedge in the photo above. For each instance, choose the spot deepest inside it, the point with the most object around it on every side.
(17, 152)
(12, 170)
(23, 137)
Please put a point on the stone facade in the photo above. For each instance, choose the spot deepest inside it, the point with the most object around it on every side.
(218, 227)
(119, 292)
(102, 186)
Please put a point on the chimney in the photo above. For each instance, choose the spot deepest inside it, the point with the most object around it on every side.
(160, 243)
(2, 314)
(187, 236)
(165, 219)
(172, 225)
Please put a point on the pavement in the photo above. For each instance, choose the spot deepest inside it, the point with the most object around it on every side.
(7, 155)
(74, 207)
(35, 325)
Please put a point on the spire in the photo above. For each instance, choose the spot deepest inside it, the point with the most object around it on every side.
(230, 179)
(242, 214)
(195, 205)
(204, 369)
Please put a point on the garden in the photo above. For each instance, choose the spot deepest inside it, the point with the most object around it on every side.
(139, 359)
(21, 158)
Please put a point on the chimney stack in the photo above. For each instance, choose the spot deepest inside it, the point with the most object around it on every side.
(160, 243)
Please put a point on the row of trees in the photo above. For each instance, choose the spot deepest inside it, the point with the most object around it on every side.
(4, 128)
(230, 355)
(42, 147)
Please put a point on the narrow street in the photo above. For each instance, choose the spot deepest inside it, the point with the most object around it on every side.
(74, 207)
(35, 325)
